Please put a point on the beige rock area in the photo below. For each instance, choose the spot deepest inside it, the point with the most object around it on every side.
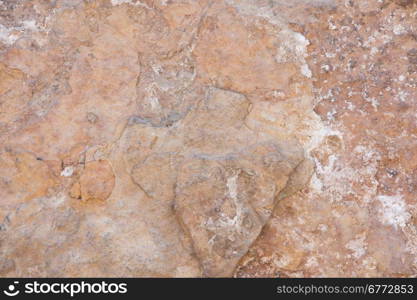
(210, 138)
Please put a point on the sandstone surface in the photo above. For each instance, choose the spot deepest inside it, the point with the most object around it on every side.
(182, 138)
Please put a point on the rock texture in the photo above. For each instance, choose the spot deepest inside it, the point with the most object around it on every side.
(187, 138)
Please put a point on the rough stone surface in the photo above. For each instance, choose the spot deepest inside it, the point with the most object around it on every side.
(188, 138)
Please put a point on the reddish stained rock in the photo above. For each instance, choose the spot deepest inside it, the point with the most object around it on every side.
(241, 138)
(96, 181)
(357, 218)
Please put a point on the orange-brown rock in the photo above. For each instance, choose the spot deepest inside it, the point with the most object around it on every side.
(96, 181)
(187, 138)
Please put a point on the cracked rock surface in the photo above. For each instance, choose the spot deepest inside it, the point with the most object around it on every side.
(206, 138)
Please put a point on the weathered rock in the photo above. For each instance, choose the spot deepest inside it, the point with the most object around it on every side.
(222, 180)
(208, 138)
(224, 202)
(357, 218)
(96, 181)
